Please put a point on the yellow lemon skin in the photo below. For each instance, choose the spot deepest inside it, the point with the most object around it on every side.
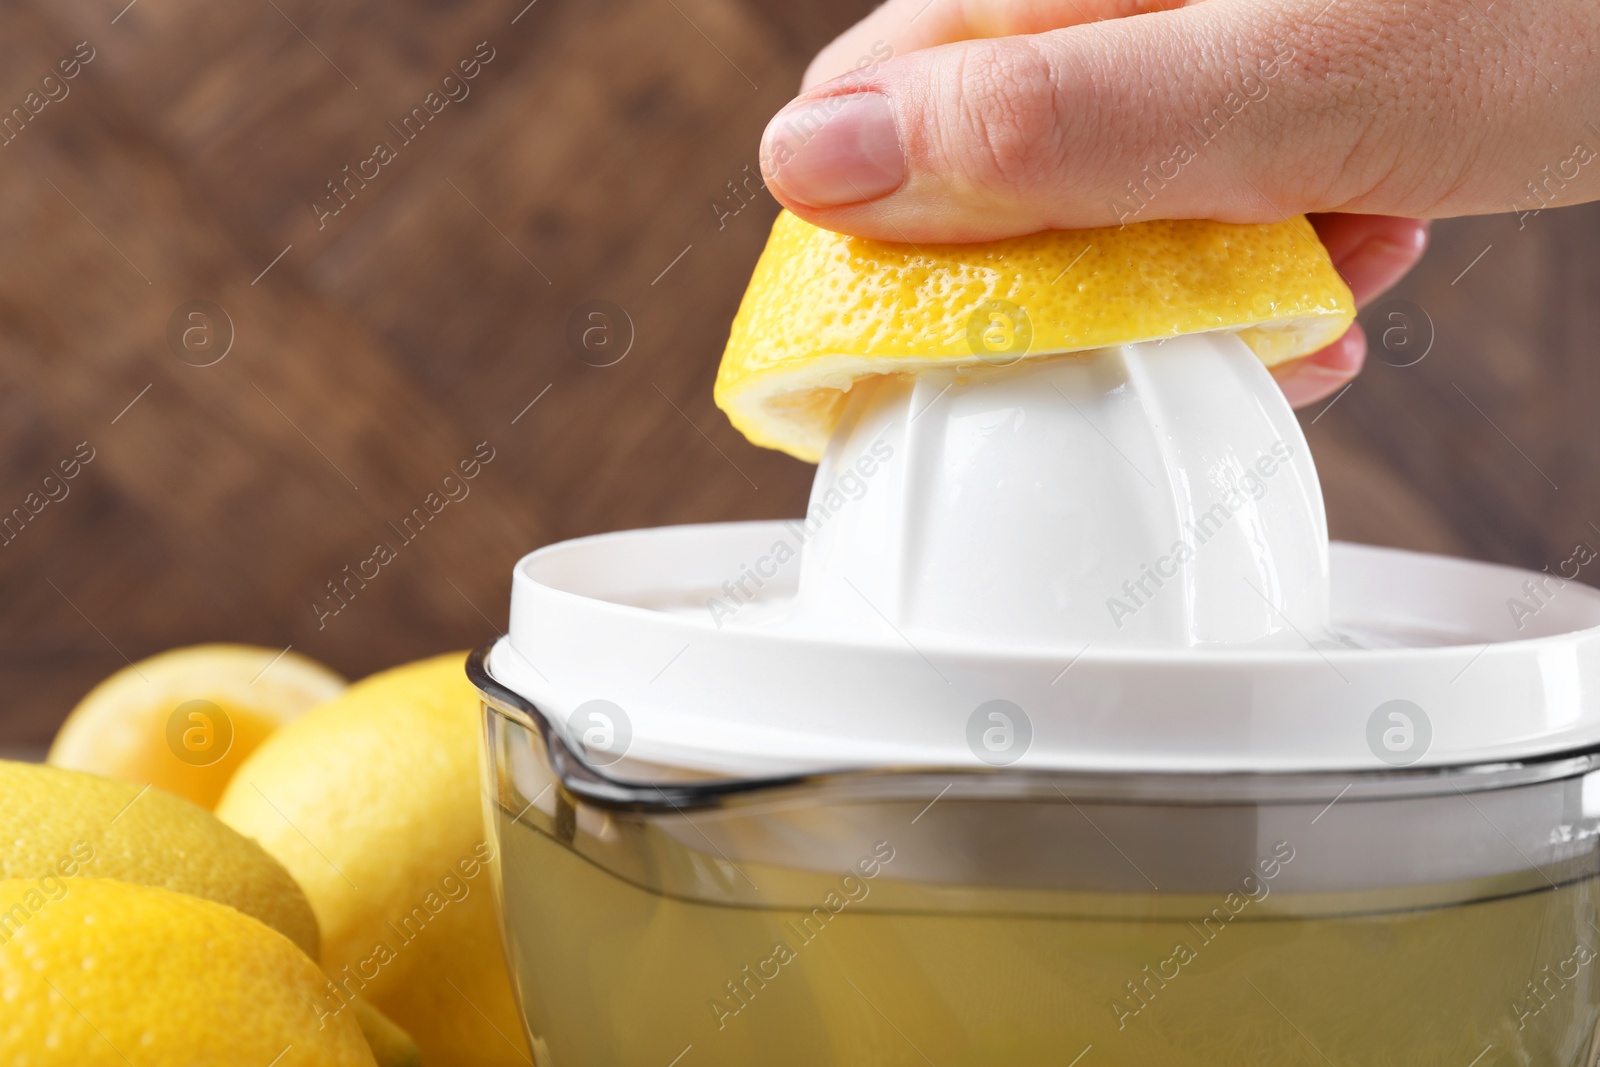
(66, 826)
(184, 720)
(824, 310)
(391, 1046)
(100, 973)
(372, 801)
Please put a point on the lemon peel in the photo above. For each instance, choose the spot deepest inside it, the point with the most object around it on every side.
(824, 310)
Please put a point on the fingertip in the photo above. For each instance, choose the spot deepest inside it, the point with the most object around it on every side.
(833, 151)
(1346, 355)
(1372, 252)
(1411, 235)
(1325, 372)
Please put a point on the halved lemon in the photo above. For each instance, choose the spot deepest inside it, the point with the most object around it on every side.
(824, 311)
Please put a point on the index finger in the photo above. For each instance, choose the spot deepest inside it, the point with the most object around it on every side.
(901, 26)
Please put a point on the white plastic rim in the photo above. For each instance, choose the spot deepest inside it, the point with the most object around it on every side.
(1487, 664)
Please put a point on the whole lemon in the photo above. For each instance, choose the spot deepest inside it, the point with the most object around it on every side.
(61, 826)
(183, 721)
(372, 801)
(391, 1046)
(99, 973)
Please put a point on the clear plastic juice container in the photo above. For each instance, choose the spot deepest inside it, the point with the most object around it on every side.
(996, 918)
(1057, 733)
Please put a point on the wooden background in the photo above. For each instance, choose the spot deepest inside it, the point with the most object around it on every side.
(425, 317)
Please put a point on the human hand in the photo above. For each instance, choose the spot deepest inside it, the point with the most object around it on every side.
(966, 120)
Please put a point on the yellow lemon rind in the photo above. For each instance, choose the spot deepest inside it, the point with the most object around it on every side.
(824, 311)
(102, 966)
(67, 826)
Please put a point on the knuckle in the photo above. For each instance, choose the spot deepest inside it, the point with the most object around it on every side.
(1005, 128)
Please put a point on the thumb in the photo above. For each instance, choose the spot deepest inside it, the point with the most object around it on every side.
(1229, 110)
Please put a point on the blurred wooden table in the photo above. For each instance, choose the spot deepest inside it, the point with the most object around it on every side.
(374, 349)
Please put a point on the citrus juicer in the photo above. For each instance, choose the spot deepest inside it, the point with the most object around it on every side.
(1056, 729)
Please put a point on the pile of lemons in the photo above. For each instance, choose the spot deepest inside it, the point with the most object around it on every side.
(234, 858)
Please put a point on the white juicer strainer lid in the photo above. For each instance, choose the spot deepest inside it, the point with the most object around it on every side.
(1112, 561)
(621, 617)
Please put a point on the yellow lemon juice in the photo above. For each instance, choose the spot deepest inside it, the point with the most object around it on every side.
(614, 972)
